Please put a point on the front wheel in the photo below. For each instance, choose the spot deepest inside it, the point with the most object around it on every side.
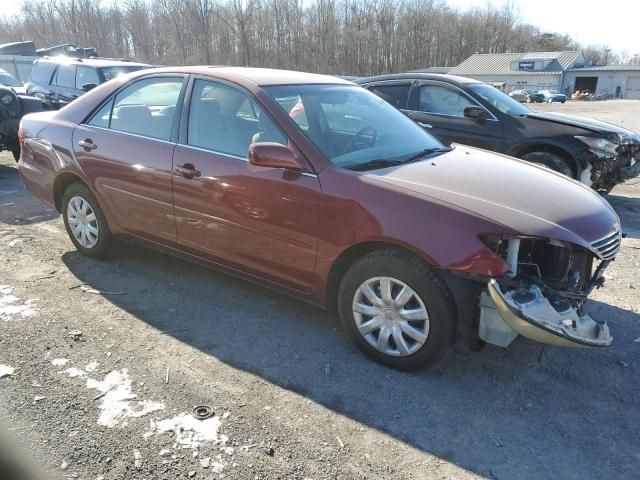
(15, 150)
(85, 222)
(397, 310)
(550, 160)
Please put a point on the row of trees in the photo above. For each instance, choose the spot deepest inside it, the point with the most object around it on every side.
(355, 37)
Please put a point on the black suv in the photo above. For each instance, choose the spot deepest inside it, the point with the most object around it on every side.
(12, 108)
(60, 80)
(466, 111)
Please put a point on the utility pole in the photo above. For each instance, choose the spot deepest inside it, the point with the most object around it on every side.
(606, 55)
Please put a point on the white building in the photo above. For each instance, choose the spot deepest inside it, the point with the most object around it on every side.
(565, 71)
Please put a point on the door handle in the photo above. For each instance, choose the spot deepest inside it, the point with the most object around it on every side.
(87, 144)
(425, 125)
(187, 170)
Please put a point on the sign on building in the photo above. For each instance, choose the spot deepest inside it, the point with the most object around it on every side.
(526, 65)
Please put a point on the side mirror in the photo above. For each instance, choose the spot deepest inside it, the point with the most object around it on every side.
(273, 155)
(88, 86)
(475, 113)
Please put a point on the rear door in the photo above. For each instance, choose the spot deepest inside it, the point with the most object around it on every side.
(126, 150)
(440, 109)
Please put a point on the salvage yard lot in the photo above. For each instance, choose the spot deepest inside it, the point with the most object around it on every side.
(292, 398)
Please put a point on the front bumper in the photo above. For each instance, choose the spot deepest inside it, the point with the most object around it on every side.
(607, 172)
(632, 171)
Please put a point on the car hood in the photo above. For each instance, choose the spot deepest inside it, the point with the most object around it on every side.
(525, 198)
(20, 90)
(596, 126)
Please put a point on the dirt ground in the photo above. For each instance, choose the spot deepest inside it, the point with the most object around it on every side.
(107, 356)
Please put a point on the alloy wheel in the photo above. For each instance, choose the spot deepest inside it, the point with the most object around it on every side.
(83, 222)
(390, 316)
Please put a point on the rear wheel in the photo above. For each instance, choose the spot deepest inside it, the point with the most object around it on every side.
(85, 222)
(396, 310)
(550, 160)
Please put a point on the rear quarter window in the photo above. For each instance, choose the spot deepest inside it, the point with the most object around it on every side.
(42, 72)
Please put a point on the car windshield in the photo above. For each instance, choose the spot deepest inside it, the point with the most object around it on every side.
(113, 72)
(8, 81)
(354, 128)
(499, 100)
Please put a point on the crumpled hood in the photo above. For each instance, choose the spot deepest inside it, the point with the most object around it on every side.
(596, 126)
(526, 198)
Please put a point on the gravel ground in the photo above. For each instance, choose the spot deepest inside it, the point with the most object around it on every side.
(107, 355)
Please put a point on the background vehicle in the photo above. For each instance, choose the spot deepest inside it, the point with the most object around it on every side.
(12, 108)
(527, 96)
(8, 80)
(463, 110)
(60, 80)
(406, 239)
(551, 96)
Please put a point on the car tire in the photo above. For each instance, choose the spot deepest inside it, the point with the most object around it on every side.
(15, 150)
(550, 160)
(418, 310)
(562, 101)
(85, 222)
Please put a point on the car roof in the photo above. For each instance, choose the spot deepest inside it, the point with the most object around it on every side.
(91, 62)
(420, 76)
(255, 76)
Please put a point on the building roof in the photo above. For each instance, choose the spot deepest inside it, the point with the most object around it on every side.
(607, 68)
(432, 70)
(501, 63)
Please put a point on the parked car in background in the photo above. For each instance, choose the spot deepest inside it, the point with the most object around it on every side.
(463, 110)
(315, 186)
(58, 81)
(8, 80)
(527, 96)
(551, 96)
(12, 108)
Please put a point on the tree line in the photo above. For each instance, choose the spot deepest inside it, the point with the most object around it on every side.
(348, 37)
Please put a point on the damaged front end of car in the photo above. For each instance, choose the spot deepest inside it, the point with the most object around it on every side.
(609, 160)
(542, 296)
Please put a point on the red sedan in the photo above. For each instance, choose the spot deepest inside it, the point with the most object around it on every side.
(316, 187)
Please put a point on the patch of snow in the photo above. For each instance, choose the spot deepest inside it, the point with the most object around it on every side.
(6, 371)
(188, 431)
(11, 306)
(16, 241)
(59, 362)
(74, 372)
(119, 402)
(91, 367)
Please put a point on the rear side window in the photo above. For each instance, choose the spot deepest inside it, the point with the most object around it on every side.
(42, 72)
(86, 75)
(146, 107)
(396, 95)
(66, 76)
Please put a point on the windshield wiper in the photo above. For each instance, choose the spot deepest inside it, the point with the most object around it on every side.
(373, 164)
(428, 151)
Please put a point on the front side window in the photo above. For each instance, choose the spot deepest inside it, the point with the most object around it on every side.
(396, 95)
(352, 127)
(443, 100)
(227, 120)
(499, 100)
(85, 76)
(66, 76)
(146, 107)
(112, 72)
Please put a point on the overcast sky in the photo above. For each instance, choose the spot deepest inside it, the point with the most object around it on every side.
(610, 22)
(605, 22)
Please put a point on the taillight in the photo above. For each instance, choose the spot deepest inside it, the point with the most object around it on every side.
(20, 135)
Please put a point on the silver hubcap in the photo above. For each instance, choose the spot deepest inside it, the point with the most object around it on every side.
(391, 316)
(83, 222)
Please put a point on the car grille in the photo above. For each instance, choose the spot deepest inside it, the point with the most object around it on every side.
(609, 246)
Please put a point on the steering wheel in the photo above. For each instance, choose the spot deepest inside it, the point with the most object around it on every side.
(365, 138)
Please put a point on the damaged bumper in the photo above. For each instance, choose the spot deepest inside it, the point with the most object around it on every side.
(607, 172)
(529, 313)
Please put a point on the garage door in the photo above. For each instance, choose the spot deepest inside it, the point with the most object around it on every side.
(633, 88)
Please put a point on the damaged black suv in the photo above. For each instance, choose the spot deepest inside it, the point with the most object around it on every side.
(466, 111)
(12, 108)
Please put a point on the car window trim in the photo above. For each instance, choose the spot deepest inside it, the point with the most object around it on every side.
(183, 136)
(111, 98)
(422, 83)
(169, 142)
